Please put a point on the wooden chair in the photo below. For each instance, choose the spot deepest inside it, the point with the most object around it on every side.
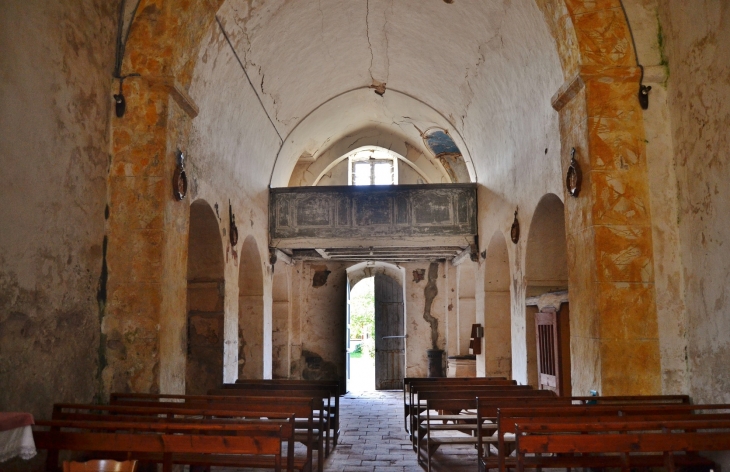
(102, 465)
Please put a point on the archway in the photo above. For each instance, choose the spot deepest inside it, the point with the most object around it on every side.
(205, 300)
(546, 304)
(250, 312)
(389, 319)
(497, 309)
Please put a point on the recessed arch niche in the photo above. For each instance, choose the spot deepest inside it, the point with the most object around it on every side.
(205, 301)
(497, 309)
(546, 277)
(250, 311)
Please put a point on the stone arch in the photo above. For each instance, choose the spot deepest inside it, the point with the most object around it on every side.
(546, 272)
(205, 301)
(546, 261)
(497, 357)
(363, 270)
(250, 311)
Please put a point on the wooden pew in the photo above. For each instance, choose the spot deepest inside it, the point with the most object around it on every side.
(509, 414)
(182, 443)
(203, 415)
(285, 384)
(321, 395)
(407, 397)
(414, 406)
(421, 395)
(638, 442)
(312, 437)
(454, 403)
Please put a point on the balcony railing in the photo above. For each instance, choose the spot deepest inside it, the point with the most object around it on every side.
(373, 216)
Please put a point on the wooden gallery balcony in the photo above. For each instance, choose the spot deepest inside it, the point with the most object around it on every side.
(385, 223)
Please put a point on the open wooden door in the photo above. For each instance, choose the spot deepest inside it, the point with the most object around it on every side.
(347, 339)
(389, 336)
(553, 350)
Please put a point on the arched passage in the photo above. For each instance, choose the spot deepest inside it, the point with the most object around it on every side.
(546, 308)
(390, 341)
(497, 309)
(250, 312)
(205, 300)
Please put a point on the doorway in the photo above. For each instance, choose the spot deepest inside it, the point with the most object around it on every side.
(375, 327)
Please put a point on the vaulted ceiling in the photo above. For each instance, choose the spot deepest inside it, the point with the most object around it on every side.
(484, 71)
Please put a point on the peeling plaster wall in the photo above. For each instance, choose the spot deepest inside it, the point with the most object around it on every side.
(232, 145)
(309, 168)
(510, 124)
(55, 102)
(318, 321)
(695, 39)
(419, 330)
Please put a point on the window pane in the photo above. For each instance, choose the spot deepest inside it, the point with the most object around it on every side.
(361, 173)
(383, 172)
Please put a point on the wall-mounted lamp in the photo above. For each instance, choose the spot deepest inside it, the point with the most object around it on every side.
(232, 230)
(179, 178)
(120, 104)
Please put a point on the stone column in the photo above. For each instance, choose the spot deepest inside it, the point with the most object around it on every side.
(143, 330)
(614, 335)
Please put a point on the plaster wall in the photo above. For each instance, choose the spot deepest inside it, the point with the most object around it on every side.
(55, 103)
(651, 52)
(695, 38)
(422, 333)
(281, 321)
(311, 167)
(516, 134)
(228, 153)
(466, 307)
(319, 321)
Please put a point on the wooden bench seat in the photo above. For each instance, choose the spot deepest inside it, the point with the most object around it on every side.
(311, 435)
(454, 411)
(290, 385)
(446, 381)
(419, 393)
(322, 396)
(508, 415)
(231, 445)
(212, 415)
(624, 442)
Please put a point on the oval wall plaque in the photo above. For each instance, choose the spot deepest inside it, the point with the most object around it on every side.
(574, 177)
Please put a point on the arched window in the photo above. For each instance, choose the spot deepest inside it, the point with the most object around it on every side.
(373, 166)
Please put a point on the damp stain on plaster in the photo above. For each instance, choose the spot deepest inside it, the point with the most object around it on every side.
(418, 275)
(430, 293)
(316, 368)
(101, 298)
(320, 276)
